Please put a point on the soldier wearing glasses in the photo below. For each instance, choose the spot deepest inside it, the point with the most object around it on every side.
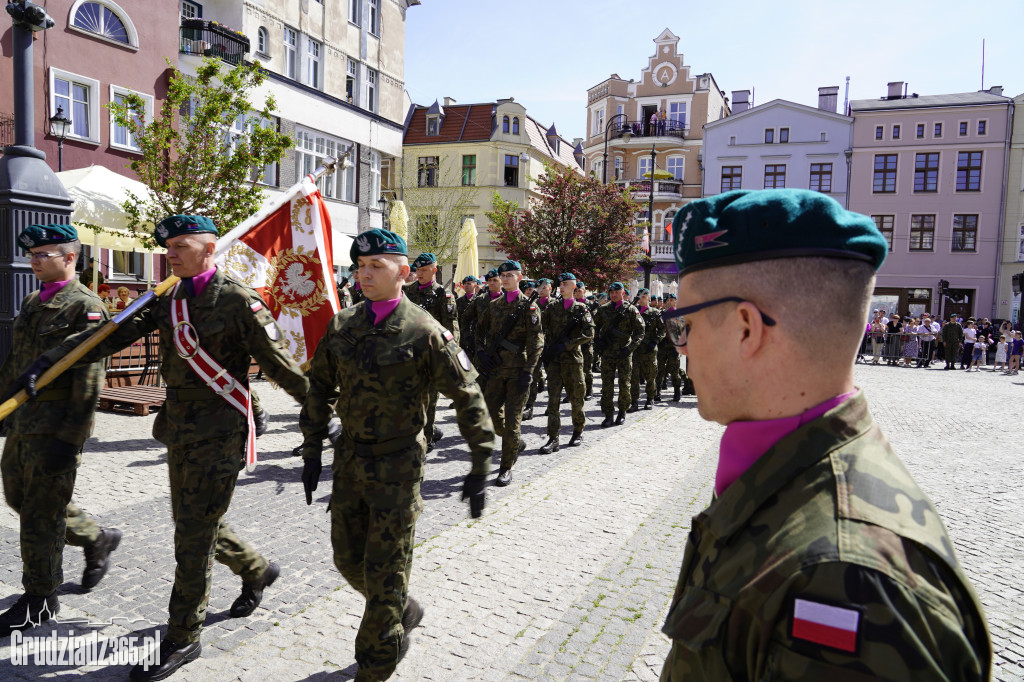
(819, 557)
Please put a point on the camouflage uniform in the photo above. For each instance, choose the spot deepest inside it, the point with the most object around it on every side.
(619, 331)
(517, 353)
(474, 312)
(828, 516)
(644, 363)
(462, 306)
(566, 368)
(205, 436)
(38, 481)
(952, 336)
(538, 371)
(668, 365)
(437, 301)
(378, 379)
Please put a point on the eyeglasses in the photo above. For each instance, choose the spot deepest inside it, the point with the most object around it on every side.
(677, 328)
(42, 255)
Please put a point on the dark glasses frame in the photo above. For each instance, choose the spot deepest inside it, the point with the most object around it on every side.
(676, 327)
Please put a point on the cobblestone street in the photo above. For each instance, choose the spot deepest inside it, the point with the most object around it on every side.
(568, 574)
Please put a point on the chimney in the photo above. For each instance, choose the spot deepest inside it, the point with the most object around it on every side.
(996, 90)
(828, 98)
(895, 90)
(448, 101)
(740, 100)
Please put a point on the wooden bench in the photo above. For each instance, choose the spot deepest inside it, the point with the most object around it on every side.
(133, 378)
(138, 399)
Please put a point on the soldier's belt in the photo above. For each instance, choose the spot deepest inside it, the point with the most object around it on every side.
(381, 447)
(508, 345)
(54, 394)
(188, 394)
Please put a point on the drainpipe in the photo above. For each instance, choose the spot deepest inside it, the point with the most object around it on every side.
(1002, 208)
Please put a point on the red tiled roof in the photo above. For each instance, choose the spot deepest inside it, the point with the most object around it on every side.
(465, 123)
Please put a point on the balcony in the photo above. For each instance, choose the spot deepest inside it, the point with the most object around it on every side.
(645, 129)
(210, 39)
(663, 189)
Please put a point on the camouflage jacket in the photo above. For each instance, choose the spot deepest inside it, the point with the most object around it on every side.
(617, 328)
(556, 321)
(233, 326)
(437, 301)
(378, 380)
(824, 561)
(462, 306)
(654, 330)
(519, 350)
(952, 334)
(477, 307)
(65, 408)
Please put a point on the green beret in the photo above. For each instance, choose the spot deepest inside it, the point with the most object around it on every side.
(510, 266)
(377, 242)
(353, 267)
(43, 235)
(643, 291)
(668, 296)
(491, 274)
(543, 280)
(615, 286)
(566, 277)
(176, 225)
(527, 284)
(470, 278)
(751, 225)
(424, 259)
(580, 285)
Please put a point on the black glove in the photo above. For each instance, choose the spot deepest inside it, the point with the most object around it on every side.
(525, 379)
(28, 378)
(473, 490)
(625, 352)
(311, 468)
(651, 345)
(485, 362)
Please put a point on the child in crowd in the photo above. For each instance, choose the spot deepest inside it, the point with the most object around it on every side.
(1000, 354)
(978, 355)
(1016, 350)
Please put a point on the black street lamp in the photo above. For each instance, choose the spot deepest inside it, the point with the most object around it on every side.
(648, 263)
(624, 132)
(383, 203)
(60, 126)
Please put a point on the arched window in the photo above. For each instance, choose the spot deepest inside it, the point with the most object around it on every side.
(261, 40)
(504, 124)
(669, 216)
(104, 19)
(515, 125)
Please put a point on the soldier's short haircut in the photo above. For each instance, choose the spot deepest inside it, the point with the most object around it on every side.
(74, 246)
(397, 257)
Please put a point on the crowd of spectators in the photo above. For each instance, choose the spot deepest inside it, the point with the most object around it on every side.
(905, 341)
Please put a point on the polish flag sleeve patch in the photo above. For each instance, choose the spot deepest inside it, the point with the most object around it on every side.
(831, 626)
(256, 306)
(94, 316)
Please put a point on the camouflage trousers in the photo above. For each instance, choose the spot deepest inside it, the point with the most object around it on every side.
(505, 397)
(644, 367)
(538, 376)
(668, 366)
(39, 489)
(588, 366)
(373, 531)
(428, 428)
(610, 364)
(202, 477)
(569, 375)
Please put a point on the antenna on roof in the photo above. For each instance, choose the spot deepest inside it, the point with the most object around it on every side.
(982, 63)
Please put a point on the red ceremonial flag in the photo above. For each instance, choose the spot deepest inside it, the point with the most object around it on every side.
(287, 258)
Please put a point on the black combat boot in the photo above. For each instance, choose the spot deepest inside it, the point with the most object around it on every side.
(504, 477)
(621, 419)
(252, 592)
(675, 398)
(540, 385)
(412, 615)
(172, 656)
(438, 435)
(608, 421)
(262, 420)
(649, 405)
(528, 413)
(634, 406)
(577, 438)
(97, 557)
(28, 612)
(550, 446)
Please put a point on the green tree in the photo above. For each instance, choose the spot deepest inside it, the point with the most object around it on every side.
(205, 151)
(577, 225)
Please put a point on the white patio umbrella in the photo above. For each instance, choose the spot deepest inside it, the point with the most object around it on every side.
(399, 220)
(469, 254)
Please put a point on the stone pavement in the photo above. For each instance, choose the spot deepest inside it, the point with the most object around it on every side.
(568, 574)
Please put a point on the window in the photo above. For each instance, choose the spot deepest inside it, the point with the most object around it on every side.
(963, 128)
(433, 125)
(427, 168)
(504, 124)
(131, 263)
(242, 126)
(732, 178)
(374, 17)
(677, 114)
(670, 215)
(895, 132)
(618, 168)
(938, 130)
(675, 167)
(965, 232)
(920, 131)
(774, 175)
(374, 191)
(291, 55)
(515, 125)
(922, 232)
(885, 174)
(879, 132)
(427, 229)
(79, 97)
(468, 170)
(982, 127)
(120, 136)
(353, 11)
(511, 170)
(732, 140)
(261, 40)
(643, 166)
(107, 22)
(821, 177)
(312, 76)
(350, 81)
(769, 135)
(968, 172)
(926, 172)
(312, 148)
(884, 224)
(598, 121)
(191, 10)
(783, 135)
(371, 90)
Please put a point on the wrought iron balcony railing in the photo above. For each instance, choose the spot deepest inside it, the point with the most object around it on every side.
(643, 186)
(667, 128)
(6, 129)
(210, 39)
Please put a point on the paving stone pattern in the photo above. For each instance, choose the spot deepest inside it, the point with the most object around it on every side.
(568, 574)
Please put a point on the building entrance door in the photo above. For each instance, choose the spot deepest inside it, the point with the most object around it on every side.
(648, 111)
(959, 301)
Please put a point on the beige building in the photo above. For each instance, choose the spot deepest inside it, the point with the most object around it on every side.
(456, 156)
(663, 111)
(1008, 303)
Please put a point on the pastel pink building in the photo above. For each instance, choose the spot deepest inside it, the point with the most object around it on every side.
(930, 170)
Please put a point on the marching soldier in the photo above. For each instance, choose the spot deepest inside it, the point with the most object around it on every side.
(211, 327)
(436, 300)
(580, 294)
(619, 330)
(568, 325)
(470, 285)
(355, 294)
(45, 437)
(475, 311)
(376, 367)
(644, 365)
(510, 342)
(668, 358)
(543, 297)
(528, 286)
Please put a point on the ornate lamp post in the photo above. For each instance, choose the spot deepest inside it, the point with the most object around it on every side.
(60, 126)
(648, 262)
(383, 203)
(624, 133)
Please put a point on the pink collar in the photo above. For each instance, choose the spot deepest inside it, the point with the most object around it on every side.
(543, 300)
(493, 294)
(200, 281)
(744, 442)
(643, 309)
(568, 304)
(426, 286)
(511, 296)
(50, 289)
(619, 304)
(381, 309)
(469, 296)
